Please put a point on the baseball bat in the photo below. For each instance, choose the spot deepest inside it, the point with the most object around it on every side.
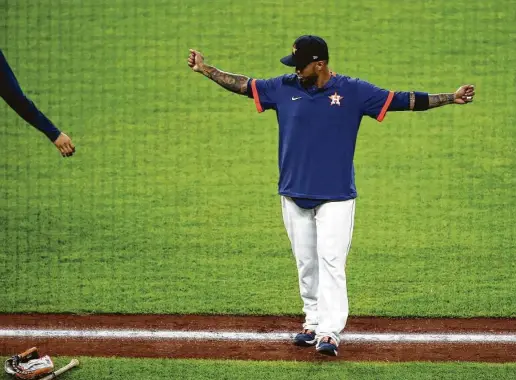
(28, 352)
(53, 375)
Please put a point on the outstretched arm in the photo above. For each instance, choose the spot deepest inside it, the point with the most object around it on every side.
(232, 82)
(463, 95)
(376, 102)
(13, 95)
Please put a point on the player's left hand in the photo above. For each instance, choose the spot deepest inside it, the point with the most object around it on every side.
(64, 144)
(465, 94)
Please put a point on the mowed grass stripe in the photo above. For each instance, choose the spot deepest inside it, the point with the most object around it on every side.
(147, 369)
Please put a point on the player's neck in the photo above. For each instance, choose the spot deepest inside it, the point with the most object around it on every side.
(323, 78)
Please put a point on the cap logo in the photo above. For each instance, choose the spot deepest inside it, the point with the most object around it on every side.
(294, 49)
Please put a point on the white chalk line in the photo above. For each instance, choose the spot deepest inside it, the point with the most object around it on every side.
(256, 336)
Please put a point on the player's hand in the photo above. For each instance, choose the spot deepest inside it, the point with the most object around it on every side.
(64, 144)
(195, 60)
(465, 94)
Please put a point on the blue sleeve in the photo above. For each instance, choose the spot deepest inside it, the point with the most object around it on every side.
(13, 95)
(264, 92)
(374, 101)
(400, 101)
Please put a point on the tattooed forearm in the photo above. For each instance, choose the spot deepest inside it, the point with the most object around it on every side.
(440, 100)
(233, 82)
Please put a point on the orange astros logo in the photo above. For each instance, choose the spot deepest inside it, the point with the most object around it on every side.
(335, 99)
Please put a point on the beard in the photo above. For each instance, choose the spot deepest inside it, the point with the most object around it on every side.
(308, 81)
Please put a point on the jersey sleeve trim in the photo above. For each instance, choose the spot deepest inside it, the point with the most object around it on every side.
(256, 97)
(385, 107)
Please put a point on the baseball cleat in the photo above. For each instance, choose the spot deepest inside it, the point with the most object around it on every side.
(327, 346)
(305, 339)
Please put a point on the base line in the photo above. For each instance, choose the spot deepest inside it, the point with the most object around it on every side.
(255, 336)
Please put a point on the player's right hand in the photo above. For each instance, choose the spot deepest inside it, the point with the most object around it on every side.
(195, 60)
(64, 144)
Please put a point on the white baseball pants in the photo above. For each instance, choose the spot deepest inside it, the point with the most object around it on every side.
(320, 240)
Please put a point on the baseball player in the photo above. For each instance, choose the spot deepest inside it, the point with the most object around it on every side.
(319, 114)
(13, 95)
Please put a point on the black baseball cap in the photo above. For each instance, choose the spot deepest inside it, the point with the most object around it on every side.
(306, 49)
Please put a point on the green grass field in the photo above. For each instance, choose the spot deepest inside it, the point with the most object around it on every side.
(151, 369)
(170, 204)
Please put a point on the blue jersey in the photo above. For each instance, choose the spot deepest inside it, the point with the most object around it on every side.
(13, 95)
(318, 129)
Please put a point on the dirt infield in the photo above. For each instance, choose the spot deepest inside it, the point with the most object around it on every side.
(266, 349)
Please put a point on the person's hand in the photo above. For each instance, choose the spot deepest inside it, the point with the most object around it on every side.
(465, 94)
(64, 144)
(195, 60)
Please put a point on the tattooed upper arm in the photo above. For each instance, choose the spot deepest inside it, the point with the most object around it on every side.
(412, 100)
(233, 82)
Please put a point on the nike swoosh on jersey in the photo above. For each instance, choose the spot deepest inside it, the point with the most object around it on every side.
(294, 98)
